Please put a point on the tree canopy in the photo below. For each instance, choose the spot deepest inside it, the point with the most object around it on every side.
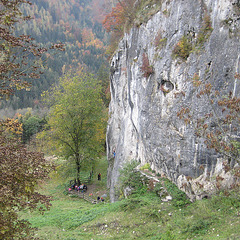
(77, 119)
(20, 169)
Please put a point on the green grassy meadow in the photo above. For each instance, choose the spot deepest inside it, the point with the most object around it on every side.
(142, 216)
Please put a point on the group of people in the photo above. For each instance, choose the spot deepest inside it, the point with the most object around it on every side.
(82, 188)
(100, 198)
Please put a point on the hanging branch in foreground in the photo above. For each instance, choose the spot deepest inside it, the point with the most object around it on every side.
(221, 122)
(20, 58)
(21, 170)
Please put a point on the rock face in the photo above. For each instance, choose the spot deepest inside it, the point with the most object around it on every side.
(147, 72)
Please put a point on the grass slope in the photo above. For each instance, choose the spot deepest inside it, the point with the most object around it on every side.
(139, 217)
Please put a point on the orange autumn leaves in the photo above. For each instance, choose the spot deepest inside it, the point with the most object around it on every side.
(115, 20)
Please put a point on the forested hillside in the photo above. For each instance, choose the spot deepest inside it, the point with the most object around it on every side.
(77, 24)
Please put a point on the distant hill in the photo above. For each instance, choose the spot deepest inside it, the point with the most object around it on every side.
(77, 24)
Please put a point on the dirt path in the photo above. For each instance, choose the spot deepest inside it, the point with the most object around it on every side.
(92, 193)
(95, 190)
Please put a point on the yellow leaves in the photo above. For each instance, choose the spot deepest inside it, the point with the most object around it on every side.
(89, 39)
(208, 88)
(12, 126)
(187, 121)
(4, 229)
(182, 112)
(29, 189)
(7, 20)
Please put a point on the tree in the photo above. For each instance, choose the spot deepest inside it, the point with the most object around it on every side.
(123, 11)
(114, 21)
(31, 124)
(103, 77)
(121, 15)
(20, 171)
(77, 119)
(19, 54)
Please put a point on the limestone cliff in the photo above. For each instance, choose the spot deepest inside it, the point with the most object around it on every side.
(143, 122)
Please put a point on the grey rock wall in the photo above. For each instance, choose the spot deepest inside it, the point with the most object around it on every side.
(143, 122)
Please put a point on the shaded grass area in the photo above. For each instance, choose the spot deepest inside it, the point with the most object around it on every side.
(142, 216)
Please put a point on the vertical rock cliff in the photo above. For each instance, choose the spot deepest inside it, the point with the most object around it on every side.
(149, 69)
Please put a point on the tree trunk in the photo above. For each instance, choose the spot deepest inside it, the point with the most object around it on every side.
(78, 169)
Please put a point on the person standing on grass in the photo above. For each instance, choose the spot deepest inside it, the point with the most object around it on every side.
(99, 177)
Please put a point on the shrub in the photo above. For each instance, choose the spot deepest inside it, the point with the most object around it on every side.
(183, 48)
(180, 198)
(158, 188)
(159, 42)
(115, 22)
(146, 68)
(130, 177)
(205, 30)
(157, 39)
(122, 17)
(145, 166)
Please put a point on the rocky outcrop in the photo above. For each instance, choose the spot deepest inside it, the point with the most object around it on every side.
(148, 71)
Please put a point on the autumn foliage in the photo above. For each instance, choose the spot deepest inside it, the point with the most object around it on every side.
(183, 48)
(20, 172)
(19, 54)
(220, 124)
(115, 21)
(146, 68)
(20, 169)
